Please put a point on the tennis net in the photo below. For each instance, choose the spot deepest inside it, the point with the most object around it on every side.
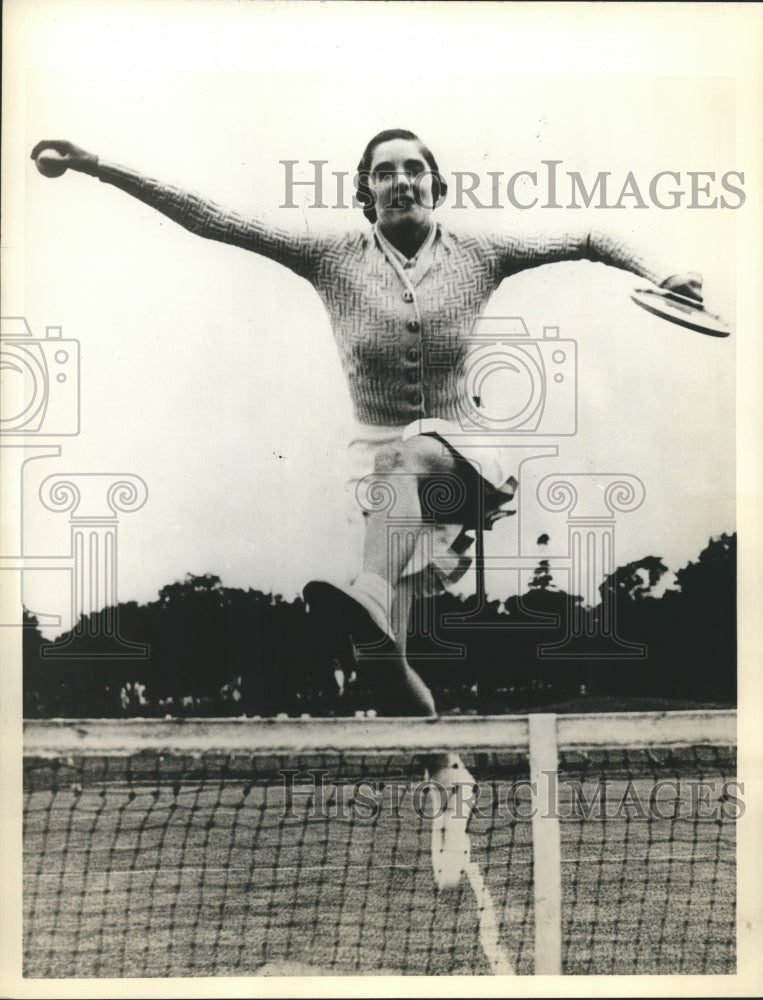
(595, 844)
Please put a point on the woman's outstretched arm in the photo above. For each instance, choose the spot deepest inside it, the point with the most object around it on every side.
(201, 216)
(519, 252)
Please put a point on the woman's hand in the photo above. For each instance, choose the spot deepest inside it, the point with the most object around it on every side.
(54, 157)
(689, 285)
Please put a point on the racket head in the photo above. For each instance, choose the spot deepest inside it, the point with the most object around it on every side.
(681, 310)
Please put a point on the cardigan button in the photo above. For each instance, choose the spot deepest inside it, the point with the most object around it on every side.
(407, 296)
(412, 376)
(413, 325)
(412, 354)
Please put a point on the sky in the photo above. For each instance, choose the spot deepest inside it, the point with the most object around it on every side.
(211, 373)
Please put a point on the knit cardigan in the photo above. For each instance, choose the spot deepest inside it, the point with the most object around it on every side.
(402, 341)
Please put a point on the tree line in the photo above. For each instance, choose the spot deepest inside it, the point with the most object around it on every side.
(215, 650)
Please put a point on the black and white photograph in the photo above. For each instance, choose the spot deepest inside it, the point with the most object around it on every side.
(380, 404)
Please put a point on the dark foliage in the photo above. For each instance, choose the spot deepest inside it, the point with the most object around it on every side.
(214, 650)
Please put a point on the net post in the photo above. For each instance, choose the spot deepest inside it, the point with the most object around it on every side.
(547, 855)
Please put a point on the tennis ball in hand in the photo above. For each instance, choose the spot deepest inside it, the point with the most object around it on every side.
(51, 164)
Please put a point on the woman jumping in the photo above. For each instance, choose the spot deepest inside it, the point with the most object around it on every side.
(403, 295)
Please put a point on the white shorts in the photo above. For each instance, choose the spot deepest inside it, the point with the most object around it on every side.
(439, 558)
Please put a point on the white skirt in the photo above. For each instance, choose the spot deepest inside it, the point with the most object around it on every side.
(440, 557)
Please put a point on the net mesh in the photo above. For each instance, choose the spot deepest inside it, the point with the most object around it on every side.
(648, 874)
(161, 864)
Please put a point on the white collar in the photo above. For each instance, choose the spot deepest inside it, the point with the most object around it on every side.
(407, 262)
(410, 272)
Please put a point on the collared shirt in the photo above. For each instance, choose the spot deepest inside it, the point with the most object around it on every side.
(421, 261)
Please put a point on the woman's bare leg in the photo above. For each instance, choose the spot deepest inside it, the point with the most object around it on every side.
(400, 687)
(398, 468)
(380, 590)
(392, 533)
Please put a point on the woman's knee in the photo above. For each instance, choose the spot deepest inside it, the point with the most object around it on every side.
(421, 455)
(427, 455)
(391, 458)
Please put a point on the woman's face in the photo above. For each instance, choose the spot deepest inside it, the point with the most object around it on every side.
(401, 182)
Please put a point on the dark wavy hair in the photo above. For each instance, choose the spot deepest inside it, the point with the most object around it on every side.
(365, 195)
